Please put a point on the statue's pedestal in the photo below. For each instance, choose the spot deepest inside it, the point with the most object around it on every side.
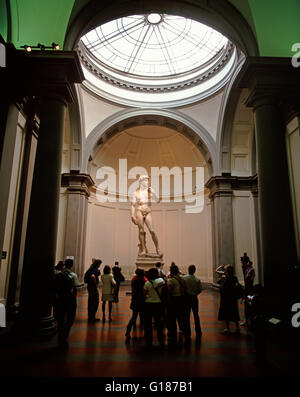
(148, 261)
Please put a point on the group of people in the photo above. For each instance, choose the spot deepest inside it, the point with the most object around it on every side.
(111, 280)
(169, 300)
(65, 286)
(231, 291)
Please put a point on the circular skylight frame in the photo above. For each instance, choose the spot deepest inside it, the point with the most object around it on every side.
(194, 84)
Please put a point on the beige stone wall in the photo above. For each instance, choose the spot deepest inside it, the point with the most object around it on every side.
(184, 238)
(244, 231)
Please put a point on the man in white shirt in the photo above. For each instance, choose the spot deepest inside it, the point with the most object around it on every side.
(193, 288)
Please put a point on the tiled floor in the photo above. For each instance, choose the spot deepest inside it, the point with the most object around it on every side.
(99, 350)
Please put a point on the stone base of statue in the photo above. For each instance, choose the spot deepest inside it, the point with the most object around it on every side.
(146, 261)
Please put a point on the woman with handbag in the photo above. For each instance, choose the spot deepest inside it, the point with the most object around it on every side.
(229, 310)
(108, 284)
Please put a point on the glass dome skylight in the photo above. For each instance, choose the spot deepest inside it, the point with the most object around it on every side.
(155, 58)
(154, 45)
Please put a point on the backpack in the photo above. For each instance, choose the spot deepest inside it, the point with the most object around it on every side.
(63, 283)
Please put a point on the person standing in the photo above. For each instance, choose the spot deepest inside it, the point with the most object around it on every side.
(249, 280)
(108, 284)
(91, 278)
(119, 278)
(177, 308)
(137, 301)
(160, 271)
(66, 284)
(56, 301)
(228, 310)
(244, 259)
(193, 289)
(59, 267)
(153, 307)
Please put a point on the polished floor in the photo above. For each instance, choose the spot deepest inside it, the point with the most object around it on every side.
(99, 350)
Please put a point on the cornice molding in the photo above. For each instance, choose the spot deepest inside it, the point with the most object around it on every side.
(223, 186)
(270, 79)
(77, 183)
(93, 65)
(41, 74)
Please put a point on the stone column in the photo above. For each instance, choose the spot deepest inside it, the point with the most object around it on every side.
(48, 76)
(222, 222)
(77, 200)
(273, 93)
(277, 226)
(40, 246)
(260, 274)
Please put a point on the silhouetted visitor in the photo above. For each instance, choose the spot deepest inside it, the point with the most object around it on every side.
(153, 307)
(169, 273)
(177, 309)
(228, 310)
(66, 284)
(119, 278)
(108, 284)
(257, 320)
(249, 280)
(193, 289)
(160, 271)
(244, 259)
(91, 278)
(59, 267)
(137, 301)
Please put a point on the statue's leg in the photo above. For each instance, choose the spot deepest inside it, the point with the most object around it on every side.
(149, 224)
(142, 239)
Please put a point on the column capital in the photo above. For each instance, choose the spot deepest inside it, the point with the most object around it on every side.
(271, 80)
(223, 186)
(42, 74)
(77, 183)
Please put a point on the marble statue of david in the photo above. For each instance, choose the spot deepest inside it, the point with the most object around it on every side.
(141, 215)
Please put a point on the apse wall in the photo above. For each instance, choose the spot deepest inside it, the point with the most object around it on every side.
(184, 238)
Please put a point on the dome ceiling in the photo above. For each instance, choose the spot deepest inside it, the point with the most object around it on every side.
(155, 59)
(149, 146)
(155, 45)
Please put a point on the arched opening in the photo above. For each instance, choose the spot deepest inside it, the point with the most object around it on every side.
(182, 219)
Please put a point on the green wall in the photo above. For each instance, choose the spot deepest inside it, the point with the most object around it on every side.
(276, 23)
(43, 21)
(3, 19)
